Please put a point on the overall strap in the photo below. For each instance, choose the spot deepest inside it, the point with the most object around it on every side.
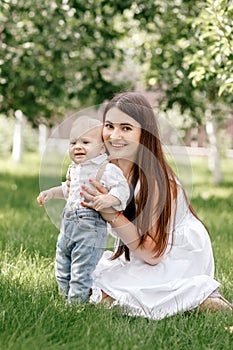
(101, 170)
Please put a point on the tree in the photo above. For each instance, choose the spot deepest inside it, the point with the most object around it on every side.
(54, 55)
(213, 58)
(212, 65)
(58, 55)
(187, 56)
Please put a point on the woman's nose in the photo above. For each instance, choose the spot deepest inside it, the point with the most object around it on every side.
(116, 133)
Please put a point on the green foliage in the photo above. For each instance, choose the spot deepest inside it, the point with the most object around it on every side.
(168, 40)
(34, 317)
(213, 57)
(187, 53)
(61, 55)
(54, 54)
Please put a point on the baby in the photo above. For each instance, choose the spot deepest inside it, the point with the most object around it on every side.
(83, 232)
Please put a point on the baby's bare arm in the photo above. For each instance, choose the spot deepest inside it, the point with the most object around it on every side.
(54, 192)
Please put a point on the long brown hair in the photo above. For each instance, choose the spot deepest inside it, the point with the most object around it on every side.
(154, 174)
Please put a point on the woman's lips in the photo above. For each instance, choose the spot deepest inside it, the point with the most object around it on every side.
(117, 145)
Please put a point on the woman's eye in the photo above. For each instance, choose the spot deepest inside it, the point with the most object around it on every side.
(126, 128)
(108, 126)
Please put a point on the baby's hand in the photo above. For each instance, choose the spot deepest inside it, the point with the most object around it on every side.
(44, 197)
(40, 201)
(104, 201)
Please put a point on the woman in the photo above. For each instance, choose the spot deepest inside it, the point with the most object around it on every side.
(163, 263)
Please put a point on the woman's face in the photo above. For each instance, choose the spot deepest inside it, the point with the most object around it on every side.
(121, 135)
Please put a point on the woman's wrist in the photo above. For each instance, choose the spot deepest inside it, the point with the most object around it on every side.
(115, 217)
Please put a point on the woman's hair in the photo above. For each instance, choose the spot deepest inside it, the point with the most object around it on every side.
(154, 174)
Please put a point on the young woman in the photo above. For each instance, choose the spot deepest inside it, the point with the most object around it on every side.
(163, 262)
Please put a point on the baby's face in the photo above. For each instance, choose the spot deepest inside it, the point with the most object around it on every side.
(87, 146)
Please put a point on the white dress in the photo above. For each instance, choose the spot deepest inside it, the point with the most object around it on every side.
(181, 281)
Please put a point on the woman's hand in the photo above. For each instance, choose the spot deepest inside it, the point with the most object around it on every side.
(92, 201)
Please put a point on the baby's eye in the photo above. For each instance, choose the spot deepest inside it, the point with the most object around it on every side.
(86, 142)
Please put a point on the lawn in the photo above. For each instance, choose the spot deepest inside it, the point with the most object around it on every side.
(33, 316)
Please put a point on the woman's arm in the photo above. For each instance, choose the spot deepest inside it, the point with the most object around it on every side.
(128, 233)
(125, 229)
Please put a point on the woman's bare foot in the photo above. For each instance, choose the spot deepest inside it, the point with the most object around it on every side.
(106, 299)
(215, 304)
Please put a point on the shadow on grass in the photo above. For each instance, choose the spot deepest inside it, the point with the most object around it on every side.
(39, 319)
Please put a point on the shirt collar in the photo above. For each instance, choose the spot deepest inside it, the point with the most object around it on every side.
(97, 160)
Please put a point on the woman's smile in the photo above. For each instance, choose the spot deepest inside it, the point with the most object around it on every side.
(117, 145)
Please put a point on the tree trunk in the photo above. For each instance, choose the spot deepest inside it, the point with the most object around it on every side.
(17, 150)
(214, 153)
(43, 137)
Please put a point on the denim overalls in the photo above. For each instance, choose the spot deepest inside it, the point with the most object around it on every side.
(80, 245)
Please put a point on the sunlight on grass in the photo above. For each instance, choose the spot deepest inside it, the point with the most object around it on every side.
(29, 165)
(32, 314)
(30, 272)
(217, 192)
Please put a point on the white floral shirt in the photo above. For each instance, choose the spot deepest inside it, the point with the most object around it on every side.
(112, 178)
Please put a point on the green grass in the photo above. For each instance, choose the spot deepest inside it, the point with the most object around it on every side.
(33, 316)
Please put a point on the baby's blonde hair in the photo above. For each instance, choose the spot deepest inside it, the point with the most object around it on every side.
(85, 124)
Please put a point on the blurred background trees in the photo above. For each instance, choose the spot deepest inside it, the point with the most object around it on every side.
(54, 53)
(59, 56)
